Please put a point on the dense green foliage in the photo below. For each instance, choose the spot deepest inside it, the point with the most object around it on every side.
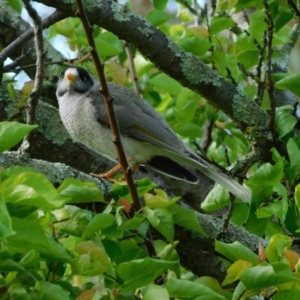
(52, 249)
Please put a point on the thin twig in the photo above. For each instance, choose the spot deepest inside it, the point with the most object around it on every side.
(206, 135)
(39, 74)
(17, 61)
(269, 80)
(26, 36)
(63, 62)
(132, 71)
(260, 82)
(230, 77)
(108, 99)
(229, 213)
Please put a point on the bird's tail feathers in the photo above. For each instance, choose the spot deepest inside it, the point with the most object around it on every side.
(227, 182)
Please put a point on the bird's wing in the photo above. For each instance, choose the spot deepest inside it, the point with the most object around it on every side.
(136, 118)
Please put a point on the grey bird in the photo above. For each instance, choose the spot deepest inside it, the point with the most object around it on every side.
(146, 137)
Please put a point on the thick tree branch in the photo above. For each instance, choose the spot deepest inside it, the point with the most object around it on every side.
(195, 251)
(166, 55)
(184, 67)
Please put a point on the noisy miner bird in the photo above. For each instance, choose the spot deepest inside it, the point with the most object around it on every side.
(146, 137)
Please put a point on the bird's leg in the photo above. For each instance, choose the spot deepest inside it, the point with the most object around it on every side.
(108, 175)
(133, 169)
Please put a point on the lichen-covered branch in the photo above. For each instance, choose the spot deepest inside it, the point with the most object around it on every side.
(195, 250)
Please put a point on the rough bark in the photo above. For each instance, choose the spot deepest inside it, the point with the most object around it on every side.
(196, 252)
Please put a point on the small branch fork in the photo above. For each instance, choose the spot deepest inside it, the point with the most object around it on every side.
(26, 36)
(108, 99)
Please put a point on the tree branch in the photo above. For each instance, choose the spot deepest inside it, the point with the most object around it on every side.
(26, 36)
(39, 73)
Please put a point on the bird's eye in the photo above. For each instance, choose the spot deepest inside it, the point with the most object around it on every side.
(62, 75)
(84, 78)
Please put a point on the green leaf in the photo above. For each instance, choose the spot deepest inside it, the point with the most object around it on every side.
(65, 27)
(291, 83)
(8, 265)
(277, 244)
(188, 289)
(144, 186)
(217, 198)
(30, 259)
(30, 235)
(186, 218)
(166, 84)
(16, 5)
(138, 273)
(80, 192)
(235, 270)
(187, 102)
(262, 182)
(257, 24)
(284, 121)
(297, 196)
(196, 45)
(160, 200)
(99, 222)
(133, 223)
(231, 4)
(160, 4)
(264, 276)
(12, 133)
(239, 291)
(154, 292)
(51, 291)
(220, 23)
(288, 294)
(190, 130)
(236, 251)
(161, 220)
(214, 285)
(158, 17)
(282, 19)
(5, 220)
(108, 44)
(93, 259)
(31, 189)
(294, 152)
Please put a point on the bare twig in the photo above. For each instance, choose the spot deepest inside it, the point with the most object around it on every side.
(17, 61)
(132, 68)
(26, 36)
(269, 81)
(260, 82)
(230, 77)
(246, 73)
(39, 47)
(229, 213)
(206, 135)
(108, 99)
(63, 62)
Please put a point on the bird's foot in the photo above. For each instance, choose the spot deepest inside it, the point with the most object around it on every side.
(104, 176)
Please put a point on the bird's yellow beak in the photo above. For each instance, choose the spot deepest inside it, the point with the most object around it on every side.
(71, 77)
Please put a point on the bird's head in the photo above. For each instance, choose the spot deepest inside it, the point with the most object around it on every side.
(74, 80)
